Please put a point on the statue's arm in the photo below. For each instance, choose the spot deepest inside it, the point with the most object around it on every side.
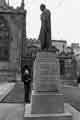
(48, 21)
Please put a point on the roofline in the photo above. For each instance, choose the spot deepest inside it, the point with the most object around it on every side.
(59, 41)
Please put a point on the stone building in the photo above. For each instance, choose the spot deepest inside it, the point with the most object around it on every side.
(76, 48)
(67, 68)
(59, 44)
(12, 33)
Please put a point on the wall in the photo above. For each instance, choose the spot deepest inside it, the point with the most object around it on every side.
(15, 20)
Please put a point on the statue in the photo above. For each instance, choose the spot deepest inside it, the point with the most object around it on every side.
(45, 32)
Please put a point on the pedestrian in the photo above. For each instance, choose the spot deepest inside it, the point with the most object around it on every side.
(27, 83)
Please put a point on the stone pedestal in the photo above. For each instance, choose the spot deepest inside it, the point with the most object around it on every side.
(47, 102)
(46, 72)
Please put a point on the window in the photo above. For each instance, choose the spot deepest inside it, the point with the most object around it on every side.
(4, 40)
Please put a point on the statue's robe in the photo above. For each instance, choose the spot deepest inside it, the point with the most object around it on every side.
(45, 32)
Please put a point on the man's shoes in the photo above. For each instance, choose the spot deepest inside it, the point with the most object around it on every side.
(27, 101)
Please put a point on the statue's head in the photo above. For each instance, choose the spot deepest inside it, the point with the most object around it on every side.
(42, 7)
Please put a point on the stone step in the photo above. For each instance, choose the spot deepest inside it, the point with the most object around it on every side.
(46, 55)
(49, 117)
(60, 116)
(46, 60)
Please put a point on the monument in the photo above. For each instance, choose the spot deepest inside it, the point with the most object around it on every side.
(47, 102)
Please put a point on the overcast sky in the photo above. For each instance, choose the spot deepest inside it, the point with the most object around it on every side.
(65, 18)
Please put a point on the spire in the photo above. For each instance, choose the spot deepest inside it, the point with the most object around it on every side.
(8, 3)
(2, 3)
(22, 4)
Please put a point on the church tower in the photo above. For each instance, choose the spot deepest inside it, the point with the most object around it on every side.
(22, 4)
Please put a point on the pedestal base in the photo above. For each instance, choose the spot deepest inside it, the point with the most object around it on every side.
(47, 103)
(67, 115)
(64, 116)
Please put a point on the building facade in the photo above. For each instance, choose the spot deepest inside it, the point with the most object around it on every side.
(67, 68)
(59, 44)
(12, 33)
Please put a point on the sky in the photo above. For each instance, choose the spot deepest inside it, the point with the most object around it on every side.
(65, 18)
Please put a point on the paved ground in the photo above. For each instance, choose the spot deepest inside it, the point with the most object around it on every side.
(11, 95)
(16, 95)
(5, 88)
(72, 96)
(11, 111)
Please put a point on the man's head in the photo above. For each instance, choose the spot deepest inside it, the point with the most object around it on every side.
(42, 7)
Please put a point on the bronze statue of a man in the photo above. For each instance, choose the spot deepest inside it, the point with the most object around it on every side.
(45, 32)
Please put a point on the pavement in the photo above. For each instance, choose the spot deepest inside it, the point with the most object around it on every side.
(72, 96)
(12, 100)
(5, 88)
(16, 95)
(10, 111)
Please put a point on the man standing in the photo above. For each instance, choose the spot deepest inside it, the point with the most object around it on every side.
(26, 77)
(45, 32)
